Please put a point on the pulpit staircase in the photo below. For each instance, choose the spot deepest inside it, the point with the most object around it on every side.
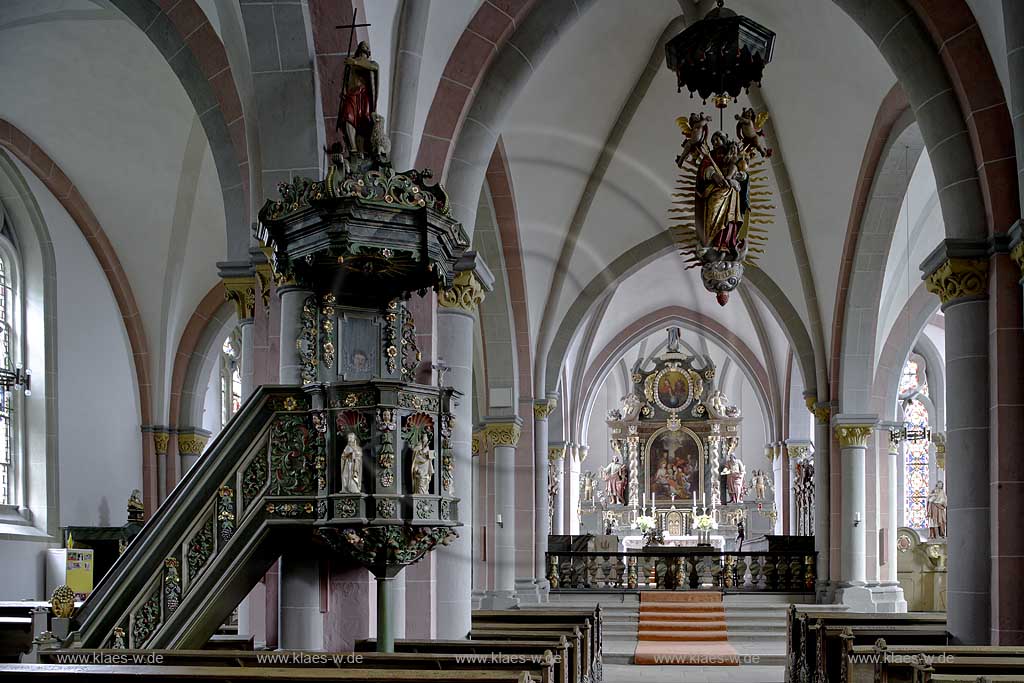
(208, 544)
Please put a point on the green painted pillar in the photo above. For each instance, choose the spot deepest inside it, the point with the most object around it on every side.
(385, 614)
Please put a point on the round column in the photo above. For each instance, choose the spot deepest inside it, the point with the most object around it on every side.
(962, 285)
(504, 438)
(892, 485)
(853, 440)
(290, 364)
(822, 445)
(248, 358)
(779, 486)
(542, 522)
(454, 563)
(571, 488)
(556, 456)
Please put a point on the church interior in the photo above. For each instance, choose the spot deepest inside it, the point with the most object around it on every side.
(525, 341)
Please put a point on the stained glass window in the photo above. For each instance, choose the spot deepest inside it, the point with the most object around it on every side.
(916, 484)
(6, 395)
(230, 376)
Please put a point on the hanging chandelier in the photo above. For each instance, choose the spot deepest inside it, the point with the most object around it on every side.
(720, 56)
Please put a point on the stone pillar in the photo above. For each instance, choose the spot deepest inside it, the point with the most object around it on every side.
(161, 439)
(454, 563)
(572, 488)
(853, 433)
(503, 437)
(556, 456)
(778, 484)
(962, 285)
(822, 444)
(300, 622)
(191, 444)
(541, 460)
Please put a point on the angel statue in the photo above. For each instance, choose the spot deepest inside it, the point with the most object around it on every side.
(631, 406)
(716, 202)
(351, 465)
(749, 130)
(734, 472)
(422, 466)
(614, 474)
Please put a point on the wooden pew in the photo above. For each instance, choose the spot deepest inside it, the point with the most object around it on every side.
(100, 673)
(971, 668)
(590, 621)
(888, 662)
(227, 641)
(542, 667)
(578, 664)
(807, 662)
(559, 646)
(957, 678)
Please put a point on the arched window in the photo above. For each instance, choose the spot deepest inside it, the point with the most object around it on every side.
(916, 453)
(230, 376)
(11, 385)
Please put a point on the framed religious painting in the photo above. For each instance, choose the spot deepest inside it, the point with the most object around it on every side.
(673, 389)
(359, 338)
(674, 467)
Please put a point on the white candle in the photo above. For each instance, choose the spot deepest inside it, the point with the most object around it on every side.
(653, 506)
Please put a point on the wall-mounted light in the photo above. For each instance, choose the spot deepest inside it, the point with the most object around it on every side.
(856, 519)
(498, 521)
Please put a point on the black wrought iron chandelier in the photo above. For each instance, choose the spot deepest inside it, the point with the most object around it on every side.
(720, 56)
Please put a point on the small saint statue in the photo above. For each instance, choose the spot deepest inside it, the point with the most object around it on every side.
(614, 474)
(587, 487)
(936, 511)
(358, 116)
(761, 484)
(734, 472)
(351, 465)
(422, 466)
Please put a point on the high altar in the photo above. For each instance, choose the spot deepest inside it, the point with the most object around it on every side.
(676, 456)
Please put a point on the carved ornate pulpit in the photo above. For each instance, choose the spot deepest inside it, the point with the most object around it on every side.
(373, 455)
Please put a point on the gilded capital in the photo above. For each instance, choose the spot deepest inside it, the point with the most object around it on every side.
(541, 409)
(476, 441)
(191, 443)
(241, 291)
(556, 453)
(798, 451)
(1017, 254)
(161, 437)
(466, 293)
(853, 436)
(822, 414)
(265, 279)
(959, 278)
(504, 433)
(809, 401)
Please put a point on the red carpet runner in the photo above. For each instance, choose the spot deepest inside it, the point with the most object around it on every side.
(683, 628)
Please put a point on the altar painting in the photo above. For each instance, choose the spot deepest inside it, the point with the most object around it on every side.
(674, 466)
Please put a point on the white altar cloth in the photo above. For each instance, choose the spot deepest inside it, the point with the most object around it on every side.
(637, 542)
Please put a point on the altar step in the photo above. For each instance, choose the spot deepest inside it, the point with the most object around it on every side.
(681, 639)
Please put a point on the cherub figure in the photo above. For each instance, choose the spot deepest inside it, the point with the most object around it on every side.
(750, 130)
(696, 131)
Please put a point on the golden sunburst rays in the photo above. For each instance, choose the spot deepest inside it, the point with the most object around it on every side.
(762, 211)
(682, 212)
(684, 232)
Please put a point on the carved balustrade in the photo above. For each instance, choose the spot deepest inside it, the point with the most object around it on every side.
(682, 569)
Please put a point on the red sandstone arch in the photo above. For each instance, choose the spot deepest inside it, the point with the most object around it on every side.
(58, 183)
(486, 33)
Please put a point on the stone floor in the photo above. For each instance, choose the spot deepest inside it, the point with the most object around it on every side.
(630, 673)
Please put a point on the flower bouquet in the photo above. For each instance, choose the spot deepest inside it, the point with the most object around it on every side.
(704, 524)
(648, 526)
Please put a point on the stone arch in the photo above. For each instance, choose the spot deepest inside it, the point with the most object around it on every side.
(735, 348)
(636, 258)
(904, 334)
(64, 190)
(873, 241)
(184, 36)
(935, 92)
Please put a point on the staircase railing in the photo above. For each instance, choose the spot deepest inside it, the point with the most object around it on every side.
(682, 569)
(203, 548)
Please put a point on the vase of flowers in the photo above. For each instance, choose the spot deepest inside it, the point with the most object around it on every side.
(704, 524)
(648, 526)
